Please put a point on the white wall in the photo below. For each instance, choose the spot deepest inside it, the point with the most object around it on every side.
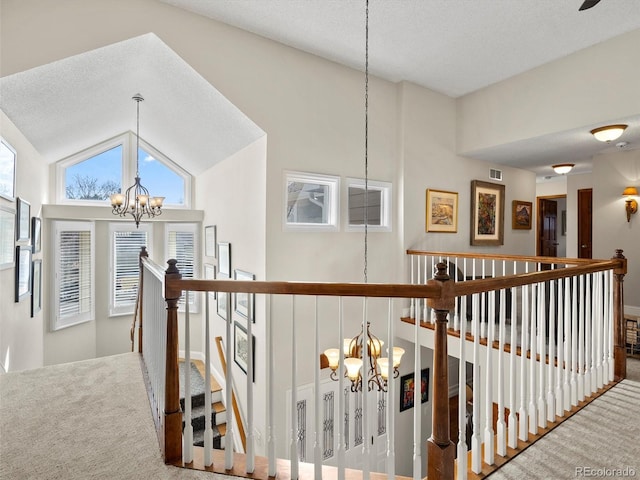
(21, 336)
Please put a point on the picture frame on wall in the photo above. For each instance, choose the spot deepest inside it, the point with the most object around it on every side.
(7, 236)
(7, 170)
(36, 233)
(487, 213)
(23, 220)
(36, 287)
(521, 213)
(224, 259)
(23, 272)
(407, 389)
(210, 241)
(441, 211)
(241, 349)
(244, 303)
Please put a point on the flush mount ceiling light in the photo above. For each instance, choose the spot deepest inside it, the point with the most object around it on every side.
(608, 133)
(563, 168)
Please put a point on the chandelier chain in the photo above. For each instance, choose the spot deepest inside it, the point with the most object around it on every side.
(366, 142)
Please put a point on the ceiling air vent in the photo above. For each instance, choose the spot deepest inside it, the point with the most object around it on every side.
(495, 174)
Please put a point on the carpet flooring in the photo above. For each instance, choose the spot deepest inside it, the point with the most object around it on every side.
(91, 420)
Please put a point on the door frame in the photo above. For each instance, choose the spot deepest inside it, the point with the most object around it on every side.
(539, 217)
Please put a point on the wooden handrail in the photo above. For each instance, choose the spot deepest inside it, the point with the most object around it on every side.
(234, 403)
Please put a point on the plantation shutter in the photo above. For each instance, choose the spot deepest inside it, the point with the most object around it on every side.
(127, 241)
(181, 245)
(74, 273)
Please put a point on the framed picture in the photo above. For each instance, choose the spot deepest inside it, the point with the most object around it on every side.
(23, 272)
(241, 348)
(487, 213)
(407, 389)
(7, 170)
(224, 259)
(521, 215)
(7, 237)
(36, 287)
(23, 219)
(241, 300)
(210, 241)
(36, 232)
(210, 274)
(221, 307)
(442, 211)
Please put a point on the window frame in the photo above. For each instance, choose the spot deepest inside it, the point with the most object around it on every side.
(84, 317)
(194, 228)
(333, 216)
(386, 205)
(128, 142)
(114, 227)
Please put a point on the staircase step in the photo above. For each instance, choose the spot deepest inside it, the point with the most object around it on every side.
(198, 438)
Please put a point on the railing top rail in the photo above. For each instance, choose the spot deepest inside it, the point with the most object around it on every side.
(519, 258)
(153, 267)
(508, 281)
(388, 290)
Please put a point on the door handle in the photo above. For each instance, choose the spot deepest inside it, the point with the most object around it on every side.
(583, 246)
(556, 244)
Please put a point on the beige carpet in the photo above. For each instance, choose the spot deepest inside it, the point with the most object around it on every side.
(85, 420)
(600, 441)
(91, 420)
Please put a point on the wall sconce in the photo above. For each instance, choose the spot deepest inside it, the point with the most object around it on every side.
(631, 205)
(563, 168)
(608, 133)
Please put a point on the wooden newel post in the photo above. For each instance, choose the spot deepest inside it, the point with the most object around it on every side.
(619, 341)
(172, 443)
(440, 449)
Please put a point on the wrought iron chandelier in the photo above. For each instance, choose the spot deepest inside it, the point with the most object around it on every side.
(136, 201)
(378, 370)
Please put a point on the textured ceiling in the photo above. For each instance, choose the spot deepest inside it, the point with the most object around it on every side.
(69, 105)
(451, 46)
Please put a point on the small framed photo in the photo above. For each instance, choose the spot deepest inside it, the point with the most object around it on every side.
(221, 306)
(7, 237)
(521, 215)
(36, 287)
(210, 241)
(23, 219)
(23, 272)
(7, 170)
(407, 389)
(224, 259)
(241, 348)
(36, 233)
(442, 211)
(244, 303)
(487, 213)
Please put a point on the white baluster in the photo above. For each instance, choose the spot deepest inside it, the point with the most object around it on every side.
(476, 439)
(456, 313)
(501, 427)
(595, 315)
(489, 447)
(293, 446)
(483, 307)
(610, 328)
(588, 322)
(462, 404)
(542, 406)
(418, 310)
(523, 431)
(341, 406)
(533, 414)
(317, 447)
(417, 424)
(228, 437)
(188, 428)
(513, 344)
(574, 341)
(366, 443)
(551, 398)
(390, 410)
(581, 334)
(250, 457)
(208, 432)
(427, 275)
(412, 310)
(600, 330)
(560, 345)
(271, 439)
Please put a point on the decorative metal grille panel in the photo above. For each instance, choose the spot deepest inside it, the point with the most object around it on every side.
(346, 419)
(327, 427)
(358, 420)
(382, 414)
(302, 430)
